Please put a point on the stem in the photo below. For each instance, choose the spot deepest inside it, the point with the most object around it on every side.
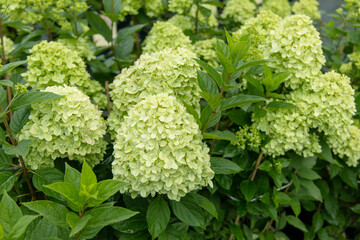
(258, 161)
(108, 96)
(236, 222)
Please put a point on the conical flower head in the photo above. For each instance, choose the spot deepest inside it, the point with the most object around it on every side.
(159, 149)
(67, 127)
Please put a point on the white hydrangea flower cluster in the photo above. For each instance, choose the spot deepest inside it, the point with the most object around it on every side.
(159, 149)
(163, 35)
(279, 7)
(80, 45)
(295, 47)
(180, 6)
(53, 64)
(67, 127)
(239, 10)
(168, 71)
(182, 22)
(308, 8)
(153, 8)
(206, 49)
(258, 29)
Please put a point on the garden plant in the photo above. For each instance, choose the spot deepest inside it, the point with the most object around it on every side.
(179, 120)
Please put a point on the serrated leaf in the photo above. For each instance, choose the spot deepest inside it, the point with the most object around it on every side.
(70, 192)
(10, 213)
(212, 72)
(224, 166)
(20, 226)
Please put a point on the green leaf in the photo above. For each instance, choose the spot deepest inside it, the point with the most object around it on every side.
(295, 206)
(127, 31)
(32, 97)
(223, 55)
(205, 11)
(326, 152)
(10, 66)
(268, 81)
(134, 224)
(248, 188)
(255, 82)
(76, 223)
(7, 180)
(252, 63)
(240, 100)
(70, 192)
(2, 136)
(5, 161)
(188, 211)
(265, 166)
(224, 166)
(6, 83)
(19, 119)
(99, 25)
(112, 6)
(157, 216)
(212, 72)
(10, 213)
(72, 176)
(19, 26)
(20, 226)
(88, 182)
(51, 211)
(313, 190)
(222, 135)
(295, 222)
(278, 79)
(317, 221)
(280, 104)
(46, 176)
(240, 50)
(213, 100)
(22, 149)
(356, 208)
(205, 204)
(349, 176)
(308, 174)
(2, 96)
(207, 83)
(106, 189)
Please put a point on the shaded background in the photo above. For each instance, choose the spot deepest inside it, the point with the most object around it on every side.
(327, 7)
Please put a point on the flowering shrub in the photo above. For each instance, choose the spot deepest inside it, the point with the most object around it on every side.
(179, 119)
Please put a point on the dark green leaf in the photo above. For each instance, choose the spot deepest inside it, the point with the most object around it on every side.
(6, 83)
(248, 188)
(213, 73)
(10, 66)
(134, 224)
(237, 101)
(280, 104)
(240, 50)
(20, 26)
(205, 11)
(222, 135)
(295, 222)
(127, 31)
(112, 6)
(313, 190)
(157, 216)
(21, 149)
(2, 96)
(252, 63)
(19, 119)
(256, 83)
(99, 25)
(193, 112)
(278, 79)
(326, 152)
(213, 100)
(308, 174)
(349, 176)
(188, 211)
(224, 166)
(206, 83)
(46, 176)
(52, 211)
(5, 160)
(356, 208)
(295, 206)
(206, 204)
(317, 221)
(31, 97)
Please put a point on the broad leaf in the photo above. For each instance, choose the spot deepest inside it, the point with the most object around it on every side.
(99, 25)
(206, 204)
(19, 119)
(10, 66)
(213, 100)
(248, 188)
(295, 222)
(31, 97)
(157, 216)
(280, 104)
(70, 192)
(10, 213)
(224, 166)
(188, 212)
(222, 135)
(72, 176)
(237, 101)
(46, 176)
(207, 83)
(7, 180)
(106, 189)
(20, 226)
(22, 149)
(212, 72)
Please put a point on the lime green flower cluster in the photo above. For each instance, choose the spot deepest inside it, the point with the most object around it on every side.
(168, 71)
(67, 127)
(239, 10)
(353, 9)
(180, 6)
(163, 35)
(279, 7)
(295, 47)
(206, 49)
(258, 29)
(8, 46)
(247, 136)
(153, 8)
(81, 46)
(159, 149)
(346, 68)
(355, 58)
(53, 64)
(211, 20)
(308, 8)
(182, 22)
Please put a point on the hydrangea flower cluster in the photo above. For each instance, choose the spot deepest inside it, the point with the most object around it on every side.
(247, 136)
(159, 149)
(355, 58)
(67, 127)
(182, 22)
(164, 34)
(81, 46)
(130, 7)
(180, 6)
(206, 49)
(295, 47)
(211, 20)
(258, 29)
(154, 8)
(239, 10)
(279, 7)
(53, 64)
(168, 71)
(308, 8)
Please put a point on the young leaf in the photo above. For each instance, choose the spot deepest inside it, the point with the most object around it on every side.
(51, 211)
(157, 216)
(76, 223)
(106, 189)
(248, 188)
(21, 149)
(46, 176)
(10, 213)
(99, 25)
(70, 192)
(31, 97)
(88, 181)
(295, 222)
(240, 100)
(72, 176)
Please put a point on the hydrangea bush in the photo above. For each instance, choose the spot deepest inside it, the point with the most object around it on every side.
(188, 119)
